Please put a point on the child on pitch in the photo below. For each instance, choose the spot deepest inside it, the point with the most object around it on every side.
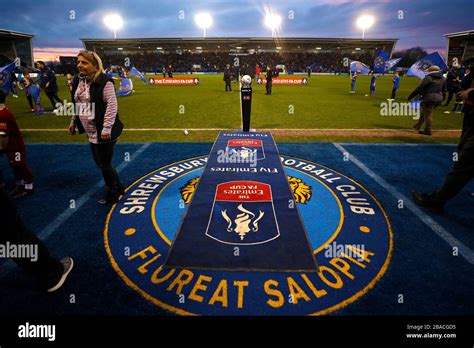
(11, 143)
(353, 82)
(372, 85)
(396, 85)
(13, 85)
(32, 92)
(69, 79)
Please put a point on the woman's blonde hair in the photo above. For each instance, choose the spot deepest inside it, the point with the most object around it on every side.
(95, 60)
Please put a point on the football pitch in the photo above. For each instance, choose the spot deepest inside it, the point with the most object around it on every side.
(322, 110)
(429, 263)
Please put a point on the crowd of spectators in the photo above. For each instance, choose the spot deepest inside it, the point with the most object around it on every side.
(215, 62)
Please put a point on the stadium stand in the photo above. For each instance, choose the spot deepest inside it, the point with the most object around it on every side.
(212, 54)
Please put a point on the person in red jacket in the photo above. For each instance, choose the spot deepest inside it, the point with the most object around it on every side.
(258, 71)
(11, 143)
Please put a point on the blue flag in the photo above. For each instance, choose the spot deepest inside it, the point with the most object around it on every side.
(359, 67)
(6, 77)
(379, 62)
(419, 68)
(126, 87)
(110, 73)
(138, 74)
(389, 64)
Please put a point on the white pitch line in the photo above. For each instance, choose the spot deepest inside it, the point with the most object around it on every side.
(68, 212)
(464, 251)
(392, 144)
(236, 127)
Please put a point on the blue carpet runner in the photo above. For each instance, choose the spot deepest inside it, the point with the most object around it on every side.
(242, 215)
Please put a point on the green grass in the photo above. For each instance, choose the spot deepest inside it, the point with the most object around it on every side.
(324, 103)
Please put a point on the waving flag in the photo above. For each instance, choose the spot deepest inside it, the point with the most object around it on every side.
(6, 78)
(419, 68)
(359, 67)
(110, 73)
(389, 64)
(126, 87)
(379, 62)
(138, 74)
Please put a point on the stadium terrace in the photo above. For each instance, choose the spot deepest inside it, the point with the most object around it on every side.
(212, 54)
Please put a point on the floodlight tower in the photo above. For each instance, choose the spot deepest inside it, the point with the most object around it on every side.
(114, 22)
(365, 22)
(273, 22)
(203, 21)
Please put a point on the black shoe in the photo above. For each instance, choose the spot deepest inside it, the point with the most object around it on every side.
(18, 191)
(425, 200)
(120, 189)
(424, 132)
(107, 200)
(67, 264)
(111, 197)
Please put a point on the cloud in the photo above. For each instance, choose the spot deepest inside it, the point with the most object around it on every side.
(424, 22)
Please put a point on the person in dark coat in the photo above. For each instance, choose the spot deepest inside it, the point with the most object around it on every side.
(431, 91)
(452, 83)
(463, 169)
(228, 78)
(48, 83)
(269, 77)
(50, 272)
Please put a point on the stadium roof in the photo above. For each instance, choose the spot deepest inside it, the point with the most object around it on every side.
(14, 44)
(468, 34)
(14, 34)
(238, 43)
(460, 45)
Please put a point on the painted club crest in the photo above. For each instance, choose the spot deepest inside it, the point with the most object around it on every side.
(324, 210)
(301, 191)
(243, 214)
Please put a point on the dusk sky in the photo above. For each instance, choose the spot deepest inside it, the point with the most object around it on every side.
(424, 22)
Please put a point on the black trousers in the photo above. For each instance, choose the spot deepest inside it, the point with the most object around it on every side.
(451, 92)
(103, 154)
(461, 173)
(228, 85)
(30, 101)
(46, 268)
(53, 98)
(269, 87)
(394, 93)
